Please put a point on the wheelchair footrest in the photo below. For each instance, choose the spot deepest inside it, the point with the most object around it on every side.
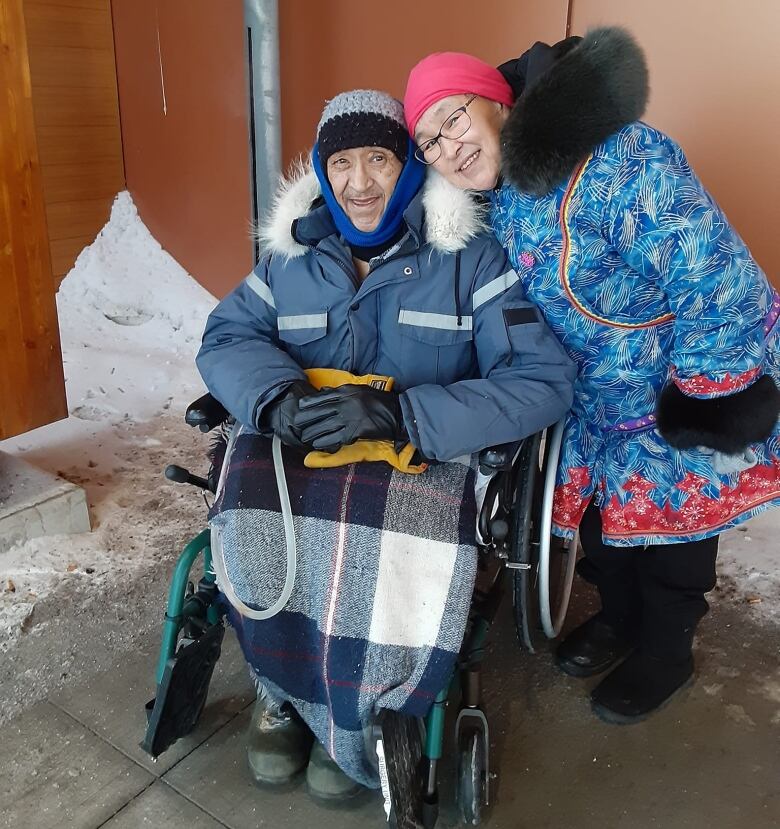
(181, 695)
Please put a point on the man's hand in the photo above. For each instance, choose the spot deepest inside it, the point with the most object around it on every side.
(277, 416)
(332, 418)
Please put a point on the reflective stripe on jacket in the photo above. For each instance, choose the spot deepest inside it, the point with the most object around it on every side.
(444, 314)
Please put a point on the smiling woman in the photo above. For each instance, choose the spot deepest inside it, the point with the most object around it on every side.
(467, 153)
(673, 436)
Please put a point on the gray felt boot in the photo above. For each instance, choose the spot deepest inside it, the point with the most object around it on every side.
(326, 781)
(279, 742)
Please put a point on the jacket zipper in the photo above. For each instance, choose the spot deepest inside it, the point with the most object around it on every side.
(344, 267)
(350, 273)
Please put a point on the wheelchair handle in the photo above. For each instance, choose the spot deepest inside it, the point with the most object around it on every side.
(180, 475)
(206, 413)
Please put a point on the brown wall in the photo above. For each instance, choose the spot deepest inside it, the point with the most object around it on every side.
(715, 79)
(714, 70)
(326, 48)
(32, 387)
(716, 89)
(71, 55)
(185, 135)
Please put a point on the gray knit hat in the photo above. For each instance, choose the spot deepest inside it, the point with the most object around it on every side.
(362, 118)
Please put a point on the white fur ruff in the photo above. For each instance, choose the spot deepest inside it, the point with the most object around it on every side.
(453, 217)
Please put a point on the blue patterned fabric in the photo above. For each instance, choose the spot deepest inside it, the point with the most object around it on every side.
(639, 274)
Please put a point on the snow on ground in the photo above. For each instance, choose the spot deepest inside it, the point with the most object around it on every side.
(130, 322)
(749, 563)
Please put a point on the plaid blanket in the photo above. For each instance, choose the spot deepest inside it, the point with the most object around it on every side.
(386, 569)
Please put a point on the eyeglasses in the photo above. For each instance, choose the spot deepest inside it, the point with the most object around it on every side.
(455, 125)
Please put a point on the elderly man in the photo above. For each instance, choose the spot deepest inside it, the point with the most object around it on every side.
(372, 271)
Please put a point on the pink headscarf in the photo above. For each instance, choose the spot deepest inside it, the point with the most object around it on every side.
(451, 73)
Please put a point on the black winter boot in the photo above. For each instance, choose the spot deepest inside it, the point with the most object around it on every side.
(594, 647)
(611, 634)
(640, 686)
(673, 580)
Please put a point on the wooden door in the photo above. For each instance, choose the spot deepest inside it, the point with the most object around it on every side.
(32, 386)
(70, 46)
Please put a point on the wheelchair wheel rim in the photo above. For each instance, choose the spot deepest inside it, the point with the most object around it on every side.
(552, 621)
(524, 547)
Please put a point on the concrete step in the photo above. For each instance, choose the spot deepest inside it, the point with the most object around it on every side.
(35, 503)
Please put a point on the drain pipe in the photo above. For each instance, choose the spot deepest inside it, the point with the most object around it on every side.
(265, 128)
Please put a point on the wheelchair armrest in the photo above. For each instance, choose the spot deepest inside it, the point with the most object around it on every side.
(498, 458)
(206, 413)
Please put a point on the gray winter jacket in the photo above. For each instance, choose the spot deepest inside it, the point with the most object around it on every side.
(444, 314)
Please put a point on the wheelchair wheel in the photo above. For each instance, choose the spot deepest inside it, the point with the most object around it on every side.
(524, 549)
(400, 759)
(472, 775)
(557, 557)
(555, 590)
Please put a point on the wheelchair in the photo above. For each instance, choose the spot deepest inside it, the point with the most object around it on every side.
(516, 550)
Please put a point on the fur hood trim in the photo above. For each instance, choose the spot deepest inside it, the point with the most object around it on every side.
(453, 217)
(593, 91)
(293, 199)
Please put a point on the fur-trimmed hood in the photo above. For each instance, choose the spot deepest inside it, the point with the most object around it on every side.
(594, 90)
(451, 218)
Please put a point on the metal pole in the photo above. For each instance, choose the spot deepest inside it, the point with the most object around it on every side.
(265, 141)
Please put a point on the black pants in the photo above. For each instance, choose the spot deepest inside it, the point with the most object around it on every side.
(657, 591)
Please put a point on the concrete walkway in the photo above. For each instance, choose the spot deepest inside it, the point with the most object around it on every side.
(710, 760)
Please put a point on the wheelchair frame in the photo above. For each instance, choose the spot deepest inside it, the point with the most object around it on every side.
(518, 544)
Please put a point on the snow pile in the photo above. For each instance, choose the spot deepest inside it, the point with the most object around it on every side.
(130, 324)
(131, 321)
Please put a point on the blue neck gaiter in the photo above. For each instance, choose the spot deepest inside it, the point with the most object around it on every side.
(406, 188)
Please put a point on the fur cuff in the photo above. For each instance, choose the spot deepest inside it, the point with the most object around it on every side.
(726, 424)
(593, 91)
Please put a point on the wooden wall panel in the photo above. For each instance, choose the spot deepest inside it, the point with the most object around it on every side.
(32, 387)
(64, 253)
(77, 118)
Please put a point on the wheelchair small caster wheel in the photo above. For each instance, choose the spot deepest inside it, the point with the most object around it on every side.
(472, 775)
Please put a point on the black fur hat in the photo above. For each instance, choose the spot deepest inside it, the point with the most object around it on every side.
(593, 90)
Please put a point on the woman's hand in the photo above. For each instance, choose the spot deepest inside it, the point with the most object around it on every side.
(724, 464)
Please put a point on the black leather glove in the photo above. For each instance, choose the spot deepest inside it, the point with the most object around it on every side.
(277, 416)
(334, 418)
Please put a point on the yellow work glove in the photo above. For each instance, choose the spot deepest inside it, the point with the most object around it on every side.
(361, 450)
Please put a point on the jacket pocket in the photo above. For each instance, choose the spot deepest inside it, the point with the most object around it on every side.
(435, 349)
(435, 329)
(297, 331)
